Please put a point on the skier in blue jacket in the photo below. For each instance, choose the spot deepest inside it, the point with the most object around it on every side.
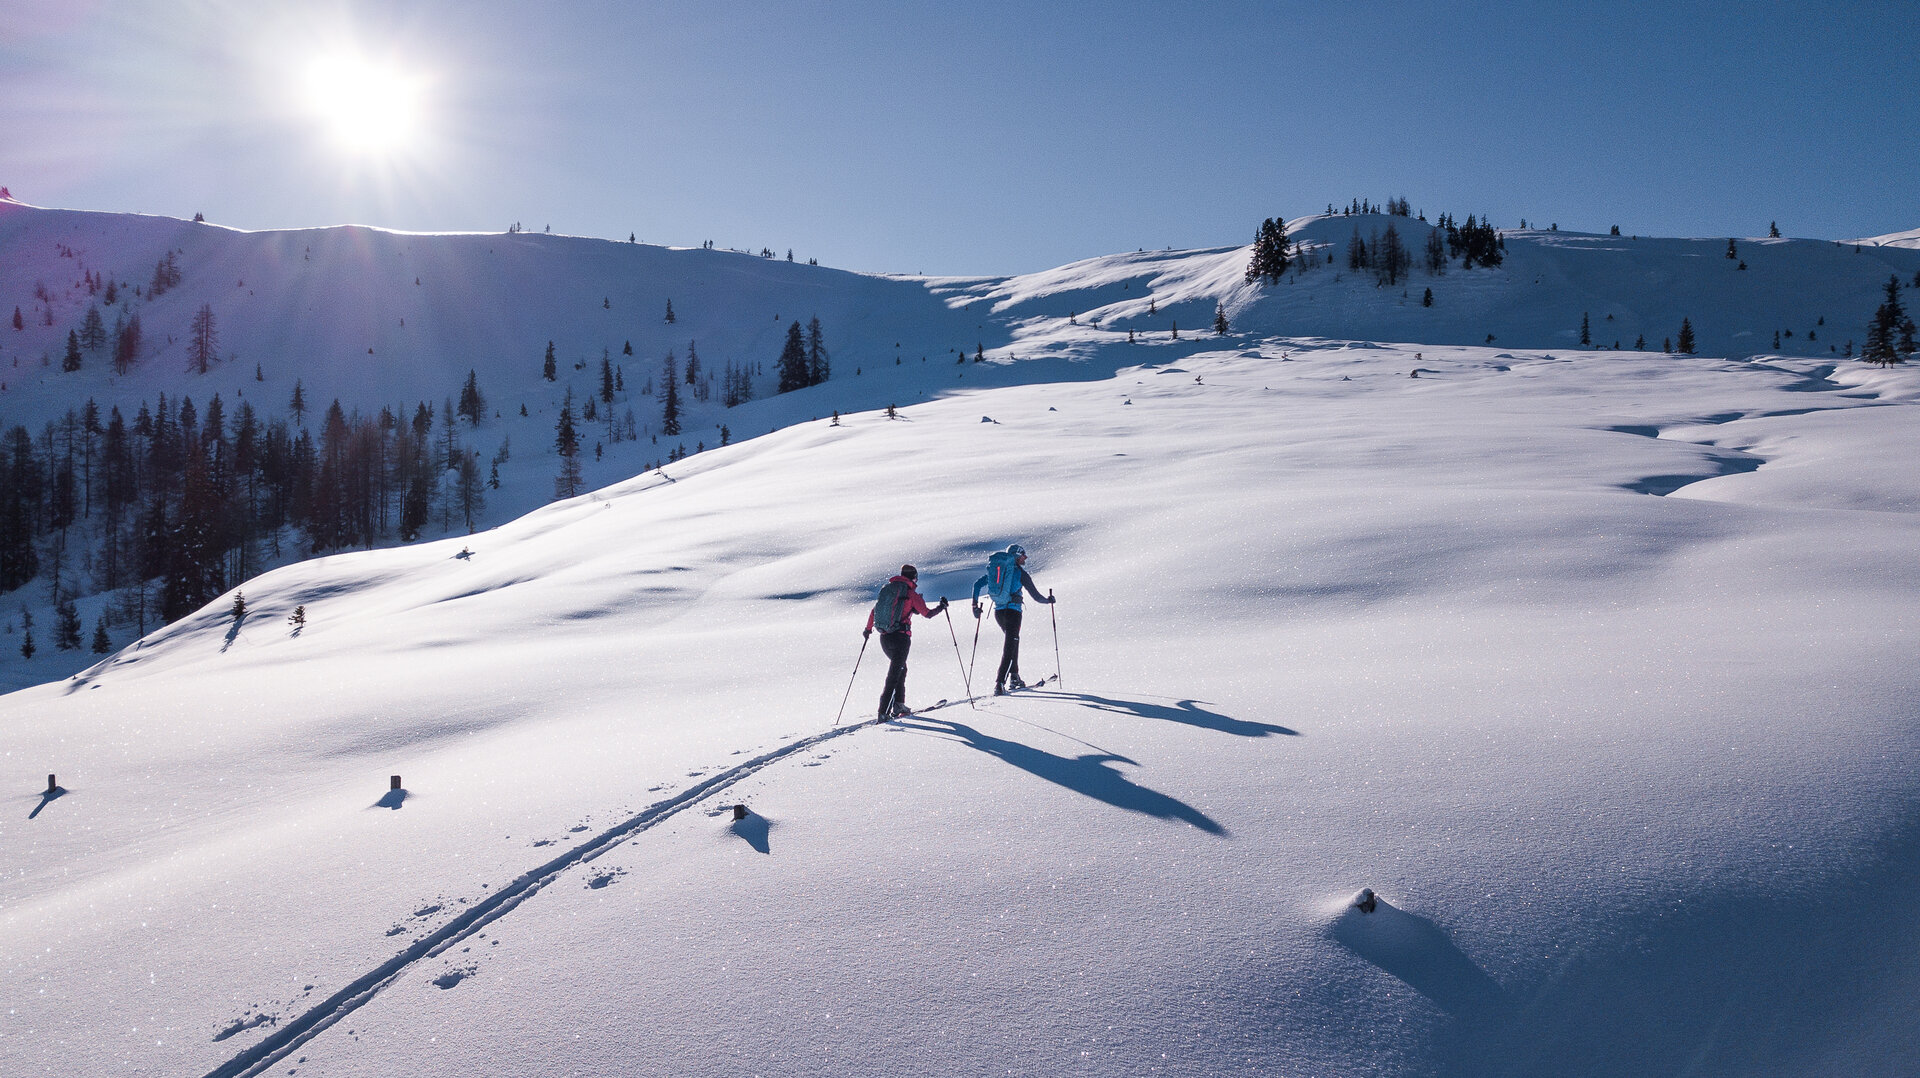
(1006, 575)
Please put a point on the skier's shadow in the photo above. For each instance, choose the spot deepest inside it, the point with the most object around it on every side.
(1185, 712)
(1091, 774)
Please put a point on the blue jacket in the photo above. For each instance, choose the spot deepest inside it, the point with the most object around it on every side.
(1013, 603)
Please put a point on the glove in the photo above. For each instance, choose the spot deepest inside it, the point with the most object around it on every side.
(943, 607)
(1049, 599)
(976, 611)
(866, 633)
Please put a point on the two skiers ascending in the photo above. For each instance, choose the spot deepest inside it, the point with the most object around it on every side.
(1005, 576)
(892, 614)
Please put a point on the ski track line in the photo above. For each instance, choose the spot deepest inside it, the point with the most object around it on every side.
(278, 1044)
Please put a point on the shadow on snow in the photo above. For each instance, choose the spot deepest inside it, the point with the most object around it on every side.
(1090, 774)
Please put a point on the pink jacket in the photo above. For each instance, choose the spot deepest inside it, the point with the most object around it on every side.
(913, 604)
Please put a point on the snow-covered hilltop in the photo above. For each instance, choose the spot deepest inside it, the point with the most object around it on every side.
(1594, 666)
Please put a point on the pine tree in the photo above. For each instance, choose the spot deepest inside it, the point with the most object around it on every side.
(818, 368)
(102, 644)
(71, 361)
(298, 404)
(93, 331)
(1270, 255)
(66, 626)
(1882, 346)
(1390, 257)
(1733, 249)
(1686, 336)
(1426, 299)
(1586, 337)
(793, 361)
(202, 340)
(1220, 325)
(298, 619)
(473, 404)
(670, 403)
(606, 380)
(127, 343)
(239, 609)
(550, 369)
(1436, 253)
(670, 318)
(567, 441)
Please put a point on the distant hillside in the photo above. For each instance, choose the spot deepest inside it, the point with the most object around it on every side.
(390, 325)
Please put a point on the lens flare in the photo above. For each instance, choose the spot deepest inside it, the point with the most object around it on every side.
(368, 106)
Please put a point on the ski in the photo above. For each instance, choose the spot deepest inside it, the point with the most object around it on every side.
(1032, 685)
(935, 706)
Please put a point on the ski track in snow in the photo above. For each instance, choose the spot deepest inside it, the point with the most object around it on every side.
(290, 1034)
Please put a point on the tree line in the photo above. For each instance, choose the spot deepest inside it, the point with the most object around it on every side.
(171, 506)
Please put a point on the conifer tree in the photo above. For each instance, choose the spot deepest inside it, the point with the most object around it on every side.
(793, 361)
(549, 369)
(1270, 255)
(127, 343)
(93, 331)
(818, 367)
(1883, 345)
(473, 404)
(670, 402)
(202, 340)
(1586, 337)
(71, 361)
(102, 643)
(1436, 253)
(66, 625)
(1391, 259)
(1220, 325)
(670, 318)
(1686, 336)
(1773, 230)
(567, 441)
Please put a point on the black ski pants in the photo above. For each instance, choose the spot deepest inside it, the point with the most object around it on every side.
(1009, 619)
(896, 646)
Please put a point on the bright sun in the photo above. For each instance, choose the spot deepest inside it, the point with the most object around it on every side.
(370, 107)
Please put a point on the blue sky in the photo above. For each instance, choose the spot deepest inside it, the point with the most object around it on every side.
(982, 138)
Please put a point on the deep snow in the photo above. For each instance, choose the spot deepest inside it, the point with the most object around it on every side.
(1595, 666)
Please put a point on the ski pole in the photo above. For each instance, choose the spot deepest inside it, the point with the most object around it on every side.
(975, 657)
(856, 673)
(964, 679)
(1056, 637)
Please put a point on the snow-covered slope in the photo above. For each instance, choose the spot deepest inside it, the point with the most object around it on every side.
(1595, 667)
(1909, 238)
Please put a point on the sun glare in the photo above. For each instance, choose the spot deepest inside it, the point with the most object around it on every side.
(369, 107)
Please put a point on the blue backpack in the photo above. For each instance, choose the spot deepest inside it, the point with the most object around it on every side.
(1003, 578)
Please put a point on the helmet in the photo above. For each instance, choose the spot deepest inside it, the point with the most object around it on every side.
(1017, 550)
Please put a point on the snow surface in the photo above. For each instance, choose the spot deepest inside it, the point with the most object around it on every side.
(1596, 667)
